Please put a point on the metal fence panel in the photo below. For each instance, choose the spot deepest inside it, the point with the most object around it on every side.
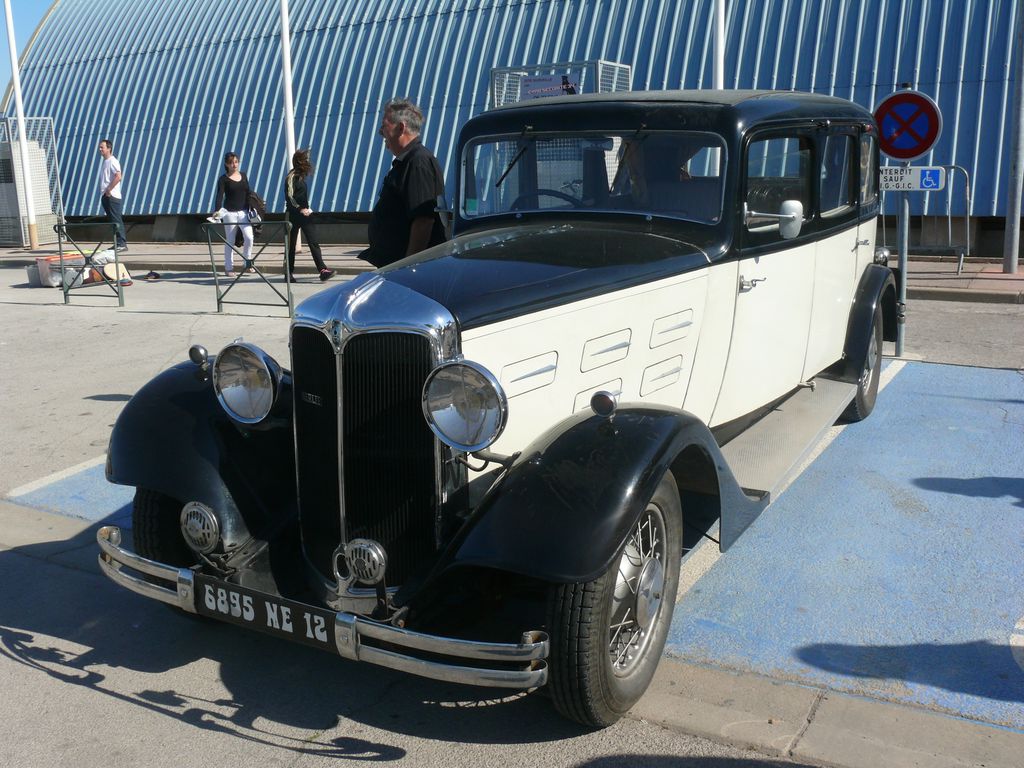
(46, 192)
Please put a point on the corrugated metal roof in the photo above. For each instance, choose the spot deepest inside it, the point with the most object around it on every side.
(176, 83)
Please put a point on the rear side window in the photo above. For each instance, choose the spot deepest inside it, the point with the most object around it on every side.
(868, 171)
(838, 175)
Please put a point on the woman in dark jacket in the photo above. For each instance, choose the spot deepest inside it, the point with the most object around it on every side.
(232, 206)
(296, 196)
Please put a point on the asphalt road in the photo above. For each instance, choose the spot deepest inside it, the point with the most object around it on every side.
(95, 676)
(965, 333)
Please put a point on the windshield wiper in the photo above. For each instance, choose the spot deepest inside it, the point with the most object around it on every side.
(523, 146)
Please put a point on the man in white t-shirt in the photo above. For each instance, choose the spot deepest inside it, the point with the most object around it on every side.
(110, 189)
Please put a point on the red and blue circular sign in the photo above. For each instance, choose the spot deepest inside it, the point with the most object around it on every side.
(909, 124)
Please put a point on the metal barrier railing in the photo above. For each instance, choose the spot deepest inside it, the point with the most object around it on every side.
(74, 277)
(960, 250)
(270, 230)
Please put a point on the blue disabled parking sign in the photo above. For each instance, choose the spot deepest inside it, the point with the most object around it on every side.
(903, 178)
(931, 178)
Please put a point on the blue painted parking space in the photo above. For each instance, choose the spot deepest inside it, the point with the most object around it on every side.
(86, 495)
(892, 567)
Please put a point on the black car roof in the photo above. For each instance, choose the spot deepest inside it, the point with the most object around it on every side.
(749, 104)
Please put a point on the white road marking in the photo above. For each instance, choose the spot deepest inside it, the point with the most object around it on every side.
(706, 553)
(21, 490)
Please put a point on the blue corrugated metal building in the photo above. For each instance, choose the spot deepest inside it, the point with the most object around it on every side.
(176, 83)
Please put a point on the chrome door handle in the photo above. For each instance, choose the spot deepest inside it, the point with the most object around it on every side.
(747, 285)
(863, 242)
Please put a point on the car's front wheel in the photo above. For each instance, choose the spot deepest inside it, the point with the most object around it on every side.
(156, 530)
(607, 635)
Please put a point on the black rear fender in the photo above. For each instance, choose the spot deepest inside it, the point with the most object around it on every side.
(877, 289)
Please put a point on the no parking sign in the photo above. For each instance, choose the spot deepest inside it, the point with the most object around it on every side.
(909, 124)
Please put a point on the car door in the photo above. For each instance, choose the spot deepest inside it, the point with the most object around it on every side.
(835, 259)
(773, 295)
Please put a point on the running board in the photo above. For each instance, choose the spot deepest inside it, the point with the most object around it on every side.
(767, 456)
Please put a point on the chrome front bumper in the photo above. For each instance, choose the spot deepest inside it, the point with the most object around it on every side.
(521, 665)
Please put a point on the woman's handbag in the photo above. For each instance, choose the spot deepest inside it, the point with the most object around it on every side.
(257, 208)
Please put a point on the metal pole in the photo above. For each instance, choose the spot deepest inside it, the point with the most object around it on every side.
(719, 72)
(904, 238)
(1011, 244)
(286, 82)
(22, 139)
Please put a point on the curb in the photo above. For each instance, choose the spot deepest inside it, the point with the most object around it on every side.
(803, 722)
(138, 268)
(919, 293)
(928, 293)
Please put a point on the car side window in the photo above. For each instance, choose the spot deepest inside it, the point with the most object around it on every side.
(868, 175)
(777, 169)
(838, 175)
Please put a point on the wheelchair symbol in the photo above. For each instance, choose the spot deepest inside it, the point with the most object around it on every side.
(930, 179)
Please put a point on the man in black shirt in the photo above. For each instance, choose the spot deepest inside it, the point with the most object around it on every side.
(404, 221)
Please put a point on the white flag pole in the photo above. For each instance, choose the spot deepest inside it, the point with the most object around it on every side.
(286, 83)
(719, 71)
(20, 137)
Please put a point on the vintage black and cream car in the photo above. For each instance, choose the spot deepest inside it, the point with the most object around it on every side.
(478, 466)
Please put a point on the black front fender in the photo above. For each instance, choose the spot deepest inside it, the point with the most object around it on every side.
(563, 510)
(173, 437)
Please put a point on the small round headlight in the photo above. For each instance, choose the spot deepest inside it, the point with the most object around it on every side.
(464, 406)
(246, 380)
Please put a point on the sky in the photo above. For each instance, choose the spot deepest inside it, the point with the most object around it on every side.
(27, 15)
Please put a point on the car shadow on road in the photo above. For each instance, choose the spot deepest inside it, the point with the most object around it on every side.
(977, 487)
(66, 620)
(981, 668)
(640, 760)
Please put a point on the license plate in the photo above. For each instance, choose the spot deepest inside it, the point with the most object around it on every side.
(276, 616)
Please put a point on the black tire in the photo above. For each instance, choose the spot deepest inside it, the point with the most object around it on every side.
(867, 384)
(156, 530)
(586, 683)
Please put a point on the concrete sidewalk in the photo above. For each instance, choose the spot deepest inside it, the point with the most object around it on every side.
(934, 278)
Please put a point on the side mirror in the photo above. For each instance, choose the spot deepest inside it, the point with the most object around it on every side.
(791, 218)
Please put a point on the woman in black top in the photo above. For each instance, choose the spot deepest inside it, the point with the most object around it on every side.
(296, 196)
(233, 210)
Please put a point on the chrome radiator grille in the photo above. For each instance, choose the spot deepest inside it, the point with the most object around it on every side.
(388, 457)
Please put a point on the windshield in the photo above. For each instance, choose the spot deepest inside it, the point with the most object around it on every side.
(666, 173)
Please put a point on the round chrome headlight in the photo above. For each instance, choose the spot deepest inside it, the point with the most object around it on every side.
(246, 380)
(464, 406)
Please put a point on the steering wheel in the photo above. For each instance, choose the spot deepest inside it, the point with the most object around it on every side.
(575, 201)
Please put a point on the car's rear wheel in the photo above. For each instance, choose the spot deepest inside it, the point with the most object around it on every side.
(156, 530)
(607, 635)
(867, 385)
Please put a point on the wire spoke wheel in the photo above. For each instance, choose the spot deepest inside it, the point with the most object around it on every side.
(607, 635)
(639, 587)
(867, 384)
